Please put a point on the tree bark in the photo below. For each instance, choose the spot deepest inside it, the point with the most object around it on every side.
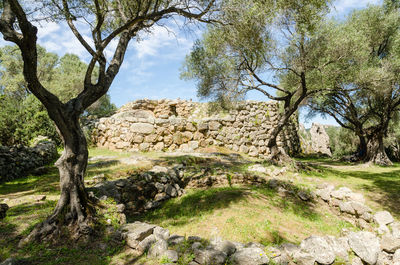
(376, 151)
(277, 154)
(362, 148)
(73, 207)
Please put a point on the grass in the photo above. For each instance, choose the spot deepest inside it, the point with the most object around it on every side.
(245, 214)
(380, 185)
(237, 213)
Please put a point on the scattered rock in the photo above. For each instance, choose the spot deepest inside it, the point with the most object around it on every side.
(136, 232)
(360, 208)
(175, 240)
(226, 246)
(346, 207)
(383, 218)
(249, 256)
(319, 248)
(209, 256)
(365, 245)
(161, 233)
(257, 168)
(389, 243)
(158, 248)
(384, 259)
(146, 243)
(340, 246)
(304, 195)
(303, 258)
(171, 255)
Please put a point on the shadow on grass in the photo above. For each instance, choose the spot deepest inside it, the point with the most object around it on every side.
(20, 221)
(233, 162)
(198, 203)
(47, 183)
(103, 164)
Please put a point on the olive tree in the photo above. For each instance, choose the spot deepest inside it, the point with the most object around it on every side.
(364, 94)
(269, 46)
(108, 20)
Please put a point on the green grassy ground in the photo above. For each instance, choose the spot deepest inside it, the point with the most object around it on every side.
(238, 213)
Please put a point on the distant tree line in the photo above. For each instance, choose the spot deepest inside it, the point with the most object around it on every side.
(22, 116)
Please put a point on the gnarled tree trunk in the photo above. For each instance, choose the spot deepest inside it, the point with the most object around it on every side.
(73, 208)
(362, 148)
(376, 151)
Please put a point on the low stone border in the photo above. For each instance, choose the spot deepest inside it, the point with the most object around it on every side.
(17, 161)
(147, 190)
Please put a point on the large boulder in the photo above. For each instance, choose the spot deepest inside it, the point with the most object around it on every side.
(209, 256)
(320, 140)
(319, 248)
(365, 245)
(383, 218)
(136, 232)
(250, 256)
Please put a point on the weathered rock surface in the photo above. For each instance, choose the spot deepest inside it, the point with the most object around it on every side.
(383, 218)
(390, 243)
(319, 248)
(17, 161)
(210, 256)
(365, 245)
(158, 125)
(250, 256)
(136, 232)
(320, 140)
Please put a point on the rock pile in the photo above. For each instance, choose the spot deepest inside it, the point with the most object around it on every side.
(366, 245)
(17, 161)
(159, 244)
(151, 125)
(143, 191)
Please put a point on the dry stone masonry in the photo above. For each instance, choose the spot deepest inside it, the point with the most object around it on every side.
(376, 243)
(161, 125)
(17, 161)
(315, 141)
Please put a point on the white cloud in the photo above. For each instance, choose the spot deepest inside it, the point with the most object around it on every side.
(159, 39)
(47, 28)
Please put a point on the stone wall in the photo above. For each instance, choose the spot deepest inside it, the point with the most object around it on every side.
(17, 161)
(168, 125)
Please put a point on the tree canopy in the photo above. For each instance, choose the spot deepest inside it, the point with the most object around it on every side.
(363, 86)
(268, 46)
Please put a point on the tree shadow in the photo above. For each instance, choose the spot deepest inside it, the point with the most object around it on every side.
(212, 160)
(20, 221)
(198, 203)
(47, 183)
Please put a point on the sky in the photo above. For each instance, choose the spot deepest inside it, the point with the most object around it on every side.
(151, 68)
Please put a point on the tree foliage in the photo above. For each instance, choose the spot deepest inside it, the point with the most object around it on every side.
(267, 46)
(364, 93)
(22, 116)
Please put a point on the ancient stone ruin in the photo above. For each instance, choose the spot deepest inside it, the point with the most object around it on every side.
(315, 141)
(376, 243)
(168, 125)
(17, 161)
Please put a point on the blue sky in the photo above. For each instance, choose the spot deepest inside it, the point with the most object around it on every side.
(151, 66)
